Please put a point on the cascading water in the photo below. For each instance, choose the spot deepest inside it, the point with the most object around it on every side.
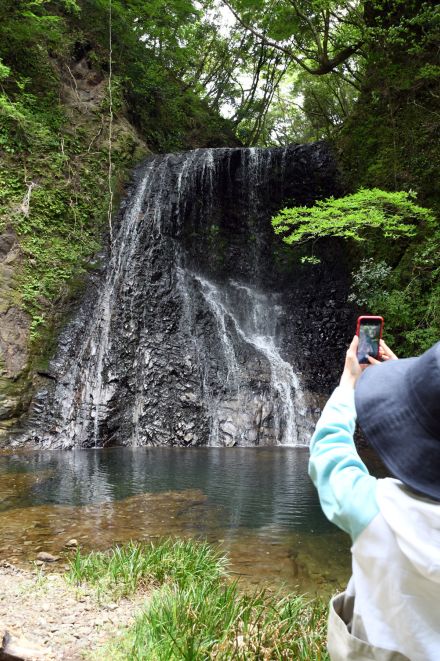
(182, 339)
(243, 316)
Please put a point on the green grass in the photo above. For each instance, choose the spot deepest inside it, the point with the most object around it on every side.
(211, 620)
(194, 612)
(124, 569)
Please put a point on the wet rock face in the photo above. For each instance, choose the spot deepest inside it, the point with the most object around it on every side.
(199, 329)
(14, 334)
(14, 338)
(14, 322)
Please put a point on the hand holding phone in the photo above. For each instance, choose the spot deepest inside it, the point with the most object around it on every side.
(352, 369)
(369, 330)
(385, 354)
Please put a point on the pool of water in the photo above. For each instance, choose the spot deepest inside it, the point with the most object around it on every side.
(257, 504)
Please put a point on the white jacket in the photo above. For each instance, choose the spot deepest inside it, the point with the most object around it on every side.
(391, 608)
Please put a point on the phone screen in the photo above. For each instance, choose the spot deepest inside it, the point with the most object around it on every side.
(369, 336)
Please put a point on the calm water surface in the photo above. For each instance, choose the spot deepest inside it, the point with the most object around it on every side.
(257, 504)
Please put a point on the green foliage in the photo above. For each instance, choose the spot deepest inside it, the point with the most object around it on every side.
(310, 259)
(389, 141)
(211, 620)
(123, 569)
(54, 144)
(429, 72)
(327, 53)
(368, 281)
(63, 181)
(408, 295)
(156, 49)
(194, 613)
(37, 321)
(398, 279)
(356, 217)
(45, 185)
(308, 108)
(4, 71)
(316, 36)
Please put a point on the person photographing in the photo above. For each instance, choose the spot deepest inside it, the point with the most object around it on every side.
(390, 610)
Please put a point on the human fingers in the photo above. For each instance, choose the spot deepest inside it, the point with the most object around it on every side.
(372, 361)
(352, 369)
(387, 354)
(352, 349)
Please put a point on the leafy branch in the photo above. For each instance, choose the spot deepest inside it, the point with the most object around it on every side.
(309, 27)
(394, 214)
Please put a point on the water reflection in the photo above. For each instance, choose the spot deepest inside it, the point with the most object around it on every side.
(257, 487)
(256, 503)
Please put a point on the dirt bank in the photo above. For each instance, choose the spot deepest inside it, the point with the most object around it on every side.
(53, 620)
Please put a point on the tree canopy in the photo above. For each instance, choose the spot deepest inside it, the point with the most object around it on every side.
(362, 74)
(318, 36)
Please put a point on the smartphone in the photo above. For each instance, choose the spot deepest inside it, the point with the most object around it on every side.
(369, 330)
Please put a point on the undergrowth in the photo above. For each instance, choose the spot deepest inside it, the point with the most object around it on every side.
(54, 193)
(213, 620)
(123, 569)
(193, 612)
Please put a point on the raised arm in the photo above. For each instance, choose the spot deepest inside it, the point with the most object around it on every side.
(347, 492)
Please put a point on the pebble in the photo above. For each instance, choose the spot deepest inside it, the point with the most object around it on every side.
(69, 619)
(111, 607)
(47, 557)
(72, 543)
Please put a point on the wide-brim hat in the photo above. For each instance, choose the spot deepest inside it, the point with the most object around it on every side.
(398, 409)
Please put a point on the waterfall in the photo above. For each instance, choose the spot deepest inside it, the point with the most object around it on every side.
(244, 315)
(184, 337)
(87, 377)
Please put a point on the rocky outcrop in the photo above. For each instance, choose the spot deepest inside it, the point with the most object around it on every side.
(82, 92)
(14, 333)
(200, 327)
(14, 323)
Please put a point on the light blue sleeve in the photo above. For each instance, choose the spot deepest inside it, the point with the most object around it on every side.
(347, 492)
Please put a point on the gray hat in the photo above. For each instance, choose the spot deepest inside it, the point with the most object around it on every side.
(398, 408)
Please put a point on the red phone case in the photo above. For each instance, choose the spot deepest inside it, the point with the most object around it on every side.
(370, 318)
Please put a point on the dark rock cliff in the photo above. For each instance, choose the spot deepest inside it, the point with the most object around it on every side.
(201, 327)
